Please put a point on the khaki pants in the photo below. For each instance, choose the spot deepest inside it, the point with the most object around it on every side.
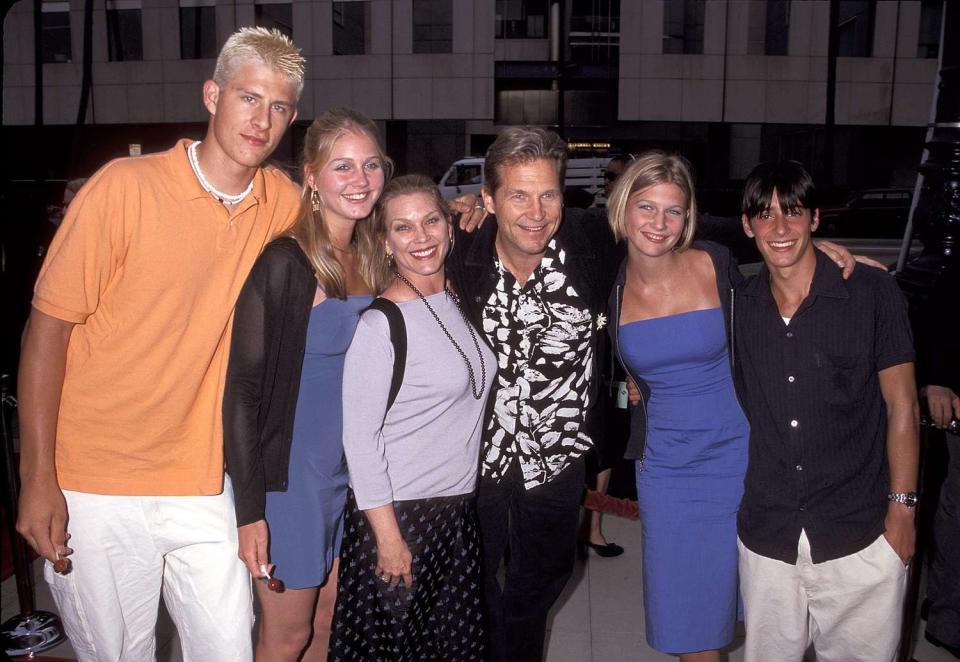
(850, 608)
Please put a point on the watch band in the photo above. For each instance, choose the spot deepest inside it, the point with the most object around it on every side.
(908, 499)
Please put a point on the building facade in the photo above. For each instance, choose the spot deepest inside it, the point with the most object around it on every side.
(727, 82)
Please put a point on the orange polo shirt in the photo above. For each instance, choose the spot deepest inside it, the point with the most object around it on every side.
(149, 266)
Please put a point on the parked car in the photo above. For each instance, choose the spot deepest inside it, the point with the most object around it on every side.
(464, 176)
(874, 213)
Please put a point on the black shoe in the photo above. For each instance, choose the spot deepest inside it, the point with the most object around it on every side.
(607, 551)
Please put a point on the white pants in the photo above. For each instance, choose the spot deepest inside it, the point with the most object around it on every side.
(850, 608)
(126, 550)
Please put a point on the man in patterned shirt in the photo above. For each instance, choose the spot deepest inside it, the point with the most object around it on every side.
(535, 281)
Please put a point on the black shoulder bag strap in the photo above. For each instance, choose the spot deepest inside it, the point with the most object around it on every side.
(398, 338)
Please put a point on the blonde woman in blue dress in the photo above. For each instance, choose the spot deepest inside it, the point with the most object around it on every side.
(671, 314)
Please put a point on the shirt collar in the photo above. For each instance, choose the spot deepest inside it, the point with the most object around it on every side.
(190, 185)
(549, 261)
(827, 281)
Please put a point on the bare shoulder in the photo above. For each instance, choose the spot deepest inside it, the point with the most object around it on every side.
(701, 265)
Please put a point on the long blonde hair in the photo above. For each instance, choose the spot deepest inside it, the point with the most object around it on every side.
(310, 230)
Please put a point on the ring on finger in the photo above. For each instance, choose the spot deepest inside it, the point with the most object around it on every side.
(385, 577)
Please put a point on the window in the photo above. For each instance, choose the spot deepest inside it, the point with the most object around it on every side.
(124, 31)
(55, 45)
(683, 26)
(277, 15)
(521, 19)
(351, 21)
(432, 26)
(777, 33)
(855, 27)
(594, 34)
(931, 14)
(198, 29)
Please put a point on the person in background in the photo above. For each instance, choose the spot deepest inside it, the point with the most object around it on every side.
(824, 371)
(410, 584)
(282, 406)
(671, 310)
(610, 444)
(615, 167)
(122, 370)
(938, 368)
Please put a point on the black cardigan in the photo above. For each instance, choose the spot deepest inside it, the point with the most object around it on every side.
(592, 257)
(263, 375)
(728, 277)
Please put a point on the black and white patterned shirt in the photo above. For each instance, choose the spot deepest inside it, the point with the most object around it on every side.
(541, 332)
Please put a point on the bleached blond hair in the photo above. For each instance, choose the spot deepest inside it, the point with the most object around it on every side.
(269, 47)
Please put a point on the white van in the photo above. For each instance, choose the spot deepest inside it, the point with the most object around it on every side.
(466, 176)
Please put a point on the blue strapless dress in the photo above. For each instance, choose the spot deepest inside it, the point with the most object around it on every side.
(306, 521)
(692, 480)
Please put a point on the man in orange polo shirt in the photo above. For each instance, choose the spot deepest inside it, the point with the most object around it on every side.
(122, 371)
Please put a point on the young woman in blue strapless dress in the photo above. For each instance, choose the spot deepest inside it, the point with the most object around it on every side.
(294, 321)
(670, 319)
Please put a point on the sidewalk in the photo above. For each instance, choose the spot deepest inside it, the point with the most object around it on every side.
(599, 618)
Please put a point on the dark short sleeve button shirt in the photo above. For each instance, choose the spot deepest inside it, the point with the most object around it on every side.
(811, 391)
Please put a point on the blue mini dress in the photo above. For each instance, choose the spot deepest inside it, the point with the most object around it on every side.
(692, 480)
(306, 521)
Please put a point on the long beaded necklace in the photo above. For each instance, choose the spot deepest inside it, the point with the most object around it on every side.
(476, 392)
(224, 198)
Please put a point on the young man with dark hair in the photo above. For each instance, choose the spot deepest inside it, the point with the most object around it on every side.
(824, 370)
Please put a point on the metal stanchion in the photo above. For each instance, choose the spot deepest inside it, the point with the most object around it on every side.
(30, 631)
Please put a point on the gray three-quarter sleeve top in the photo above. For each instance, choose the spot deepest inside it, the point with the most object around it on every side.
(429, 443)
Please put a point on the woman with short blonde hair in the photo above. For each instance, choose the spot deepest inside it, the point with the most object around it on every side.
(412, 421)
(670, 319)
(651, 168)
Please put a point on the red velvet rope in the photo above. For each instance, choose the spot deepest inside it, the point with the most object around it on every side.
(628, 508)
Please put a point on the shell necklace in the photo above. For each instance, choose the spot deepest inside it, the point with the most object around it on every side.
(224, 198)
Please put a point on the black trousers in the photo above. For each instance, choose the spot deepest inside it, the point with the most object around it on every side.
(943, 583)
(535, 532)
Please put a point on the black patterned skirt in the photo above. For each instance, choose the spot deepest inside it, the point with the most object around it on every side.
(441, 616)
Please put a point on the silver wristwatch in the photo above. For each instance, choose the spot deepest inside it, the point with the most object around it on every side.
(909, 499)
